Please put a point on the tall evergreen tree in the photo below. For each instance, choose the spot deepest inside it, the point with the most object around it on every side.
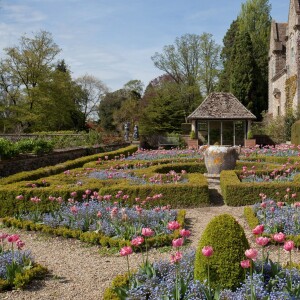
(255, 19)
(243, 71)
(226, 56)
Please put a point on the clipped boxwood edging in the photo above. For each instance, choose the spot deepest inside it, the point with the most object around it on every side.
(237, 193)
(23, 279)
(119, 281)
(253, 221)
(93, 237)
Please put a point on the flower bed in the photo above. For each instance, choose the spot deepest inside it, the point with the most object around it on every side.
(100, 221)
(276, 216)
(174, 279)
(17, 266)
(237, 193)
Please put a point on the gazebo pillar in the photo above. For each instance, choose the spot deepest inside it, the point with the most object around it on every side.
(193, 128)
(248, 128)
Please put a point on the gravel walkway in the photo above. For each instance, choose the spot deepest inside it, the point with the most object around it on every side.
(79, 272)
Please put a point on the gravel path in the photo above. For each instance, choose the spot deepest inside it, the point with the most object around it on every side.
(79, 272)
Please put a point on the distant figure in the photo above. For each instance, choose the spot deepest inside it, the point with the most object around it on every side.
(136, 132)
(126, 134)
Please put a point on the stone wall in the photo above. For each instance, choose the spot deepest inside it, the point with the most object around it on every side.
(31, 162)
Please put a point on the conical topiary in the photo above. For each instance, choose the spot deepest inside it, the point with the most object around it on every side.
(229, 243)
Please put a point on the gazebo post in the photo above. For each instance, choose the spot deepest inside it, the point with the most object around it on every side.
(233, 133)
(208, 131)
(221, 137)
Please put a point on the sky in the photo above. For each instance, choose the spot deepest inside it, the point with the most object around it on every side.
(114, 40)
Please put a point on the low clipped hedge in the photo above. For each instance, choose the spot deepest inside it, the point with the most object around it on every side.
(237, 193)
(68, 165)
(253, 221)
(23, 279)
(93, 237)
(118, 281)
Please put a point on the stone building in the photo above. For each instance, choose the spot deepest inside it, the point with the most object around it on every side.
(284, 61)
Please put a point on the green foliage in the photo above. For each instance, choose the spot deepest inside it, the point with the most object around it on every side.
(243, 71)
(250, 217)
(226, 56)
(24, 277)
(289, 120)
(193, 134)
(249, 135)
(7, 149)
(295, 133)
(225, 270)
(118, 281)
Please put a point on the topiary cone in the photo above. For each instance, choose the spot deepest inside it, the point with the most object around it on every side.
(229, 243)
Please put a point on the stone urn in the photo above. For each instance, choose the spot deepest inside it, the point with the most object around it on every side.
(219, 158)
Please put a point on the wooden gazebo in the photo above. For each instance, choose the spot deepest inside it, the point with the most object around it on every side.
(221, 118)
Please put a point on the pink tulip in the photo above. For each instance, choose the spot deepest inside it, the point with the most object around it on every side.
(279, 237)
(289, 246)
(176, 258)
(262, 241)
(73, 194)
(99, 214)
(13, 238)
(147, 232)
(74, 209)
(185, 233)
(20, 244)
(20, 197)
(3, 236)
(88, 192)
(263, 205)
(294, 195)
(251, 253)
(177, 242)
(259, 229)
(137, 241)
(125, 251)
(207, 251)
(173, 225)
(245, 264)
(280, 204)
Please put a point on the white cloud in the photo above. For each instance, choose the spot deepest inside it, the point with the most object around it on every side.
(23, 14)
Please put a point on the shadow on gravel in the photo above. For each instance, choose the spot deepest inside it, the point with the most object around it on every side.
(215, 197)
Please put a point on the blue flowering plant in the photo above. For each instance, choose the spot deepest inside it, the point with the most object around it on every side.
(96, 213)
(13, 260)
(279, 216)
(284, 173)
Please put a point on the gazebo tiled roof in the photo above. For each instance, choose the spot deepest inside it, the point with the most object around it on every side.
(221, 106)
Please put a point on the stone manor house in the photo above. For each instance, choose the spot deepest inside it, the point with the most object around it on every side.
(284, 63)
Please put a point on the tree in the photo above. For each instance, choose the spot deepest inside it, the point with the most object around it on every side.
(135, 86)
(192, 61)
(110, 103)
(24, 69)
(163, 112)
(243, 71)
(93, 92)
(210, 66)
(226, 56)
(255, 19)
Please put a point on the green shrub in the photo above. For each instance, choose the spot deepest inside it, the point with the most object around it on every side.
(118, 281)
(7, 149)
(229, 243)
